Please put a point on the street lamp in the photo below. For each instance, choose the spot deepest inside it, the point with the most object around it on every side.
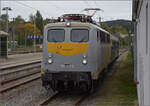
(34, 34)
(0, 14)
(7, 9)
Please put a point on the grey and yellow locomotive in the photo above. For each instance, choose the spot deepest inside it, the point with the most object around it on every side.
(75, 53)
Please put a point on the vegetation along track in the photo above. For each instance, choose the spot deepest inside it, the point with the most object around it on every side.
(76, 102)
(15, 75)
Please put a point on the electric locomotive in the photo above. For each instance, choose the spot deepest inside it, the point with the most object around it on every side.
(75, 52)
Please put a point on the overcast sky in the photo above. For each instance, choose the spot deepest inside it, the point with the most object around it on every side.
(112, 9)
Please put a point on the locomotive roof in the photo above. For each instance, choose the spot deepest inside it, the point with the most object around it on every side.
(75, 24)
(64, 15)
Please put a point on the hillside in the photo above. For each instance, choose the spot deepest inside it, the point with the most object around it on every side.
(122, 23)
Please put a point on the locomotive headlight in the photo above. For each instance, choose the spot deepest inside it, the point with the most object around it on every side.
(50, 56)
(84, 61)
(50, 61)
(68, 24)
(84, 56)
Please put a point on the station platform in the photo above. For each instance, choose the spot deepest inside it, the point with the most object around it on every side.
(18, 58)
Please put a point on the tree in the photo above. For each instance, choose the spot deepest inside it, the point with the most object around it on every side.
(105, 26)
(23, 30)
(4, 17)
(129, 31)
(31, 18)
(29, 28)
(39, 21)
(46, 21)
(19, 20)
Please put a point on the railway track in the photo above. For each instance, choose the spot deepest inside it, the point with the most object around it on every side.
(75, 102)
(13, 85)
(48, 100)
(19, 74)
(18, 64)
(122, 51)
(80, 100)
(10, 63)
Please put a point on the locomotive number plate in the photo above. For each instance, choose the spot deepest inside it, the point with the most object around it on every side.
(67, 66)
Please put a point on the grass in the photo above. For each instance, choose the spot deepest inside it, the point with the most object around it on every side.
(119, 89)
(125, 77)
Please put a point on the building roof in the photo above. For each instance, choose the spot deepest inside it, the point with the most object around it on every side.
(2, 34)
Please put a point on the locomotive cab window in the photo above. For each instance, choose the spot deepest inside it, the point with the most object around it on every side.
(56, 35)
(79, 35)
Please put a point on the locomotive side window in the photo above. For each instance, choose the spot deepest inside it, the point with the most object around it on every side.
(79, 35)
(56, 35)
(108, 38)
(98, 36)
(102, 35)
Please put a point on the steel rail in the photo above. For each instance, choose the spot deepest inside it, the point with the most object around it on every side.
(19, 77)
(19, 65)
(50, 99)
(9, 63)
(19, 83)
(25, 68)
(80, 100)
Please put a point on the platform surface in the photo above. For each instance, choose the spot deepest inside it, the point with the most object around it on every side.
(18, 58)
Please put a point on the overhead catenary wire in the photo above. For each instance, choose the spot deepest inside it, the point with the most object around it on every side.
(95, 3)
(26, 5)
(86, 2)
(100, 18)
(57, 7)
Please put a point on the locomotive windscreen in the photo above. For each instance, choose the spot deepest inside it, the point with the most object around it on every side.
(79, 35)
(56, 35)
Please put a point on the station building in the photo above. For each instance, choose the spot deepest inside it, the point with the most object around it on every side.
(3, 44)
(141, 21)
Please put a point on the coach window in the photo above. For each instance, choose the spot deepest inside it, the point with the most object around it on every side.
(56, 35)
(79, 35)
